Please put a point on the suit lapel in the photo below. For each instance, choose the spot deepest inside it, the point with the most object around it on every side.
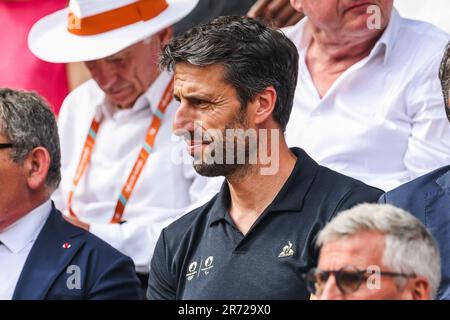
(50, 255)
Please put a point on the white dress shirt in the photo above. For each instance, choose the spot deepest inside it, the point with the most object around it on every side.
(16, 243)
(383, 120)
(166, 188)
(433, 11)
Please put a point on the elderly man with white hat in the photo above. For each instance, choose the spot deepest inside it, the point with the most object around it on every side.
(121, 179)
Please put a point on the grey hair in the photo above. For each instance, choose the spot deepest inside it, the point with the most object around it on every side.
(27, 122)
(409, 247)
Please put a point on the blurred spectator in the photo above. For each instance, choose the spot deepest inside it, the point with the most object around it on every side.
(278, 13)
(432, 11)
(368, 101)
(375, 252)
(19, 68)
(428, 197)
(207, 10)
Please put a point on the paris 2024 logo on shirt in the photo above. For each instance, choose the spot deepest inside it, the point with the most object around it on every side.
(200, 268)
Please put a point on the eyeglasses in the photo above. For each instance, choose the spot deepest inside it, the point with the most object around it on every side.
(348, 279)
(6, 145)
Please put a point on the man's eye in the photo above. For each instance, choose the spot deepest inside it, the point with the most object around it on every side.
(199, 103)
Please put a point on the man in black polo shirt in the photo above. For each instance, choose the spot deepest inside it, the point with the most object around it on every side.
(235, 76)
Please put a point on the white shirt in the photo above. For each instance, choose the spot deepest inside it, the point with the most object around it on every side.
(383, 120)
(17, 241)
(432, 11)
(164, 191)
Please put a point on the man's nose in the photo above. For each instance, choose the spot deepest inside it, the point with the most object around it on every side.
(104, 74)
(330, 290)
(184, 119)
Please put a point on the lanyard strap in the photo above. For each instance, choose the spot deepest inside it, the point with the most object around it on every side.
(139, 164)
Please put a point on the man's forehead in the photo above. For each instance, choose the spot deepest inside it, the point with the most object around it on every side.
(184, 70)
(122, 53)
(119, 54)
(189, 78)
(357, 247)
(192, 90)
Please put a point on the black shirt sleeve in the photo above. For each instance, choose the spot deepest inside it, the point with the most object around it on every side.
(161, 283)
(357, 196)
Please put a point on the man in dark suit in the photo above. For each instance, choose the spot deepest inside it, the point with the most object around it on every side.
(428, 197)
(42, 256)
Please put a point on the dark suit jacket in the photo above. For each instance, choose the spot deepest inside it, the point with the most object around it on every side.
(67, 262)
(428, 198)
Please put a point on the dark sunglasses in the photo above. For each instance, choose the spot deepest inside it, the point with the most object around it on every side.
(6, 145)
(348, 279)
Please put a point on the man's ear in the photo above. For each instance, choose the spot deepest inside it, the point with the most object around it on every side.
(37, 165)
(264, 105)
(418, 288)
(297, 5)
(165, 35)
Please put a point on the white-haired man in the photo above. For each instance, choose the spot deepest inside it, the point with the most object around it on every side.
(375, 252)
(120, 179)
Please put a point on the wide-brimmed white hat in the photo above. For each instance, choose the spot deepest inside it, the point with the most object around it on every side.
(94, 29)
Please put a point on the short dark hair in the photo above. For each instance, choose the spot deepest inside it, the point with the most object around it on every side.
(444, 76)
(28, 122)
(253, 55)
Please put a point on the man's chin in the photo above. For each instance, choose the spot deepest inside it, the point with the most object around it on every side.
(125, 102)
(207, 170)
(216, 170)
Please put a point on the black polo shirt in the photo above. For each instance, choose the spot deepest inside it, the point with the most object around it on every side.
(203, 255)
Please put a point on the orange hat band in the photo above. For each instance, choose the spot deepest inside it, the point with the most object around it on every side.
(142, 10)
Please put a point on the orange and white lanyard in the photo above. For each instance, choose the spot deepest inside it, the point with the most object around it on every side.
(146, 149)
